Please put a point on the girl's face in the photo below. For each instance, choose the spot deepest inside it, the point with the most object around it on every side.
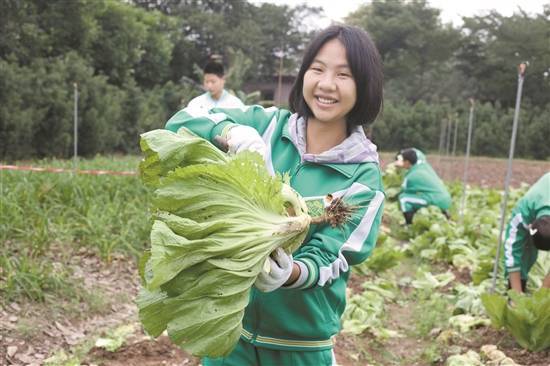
(329, 88)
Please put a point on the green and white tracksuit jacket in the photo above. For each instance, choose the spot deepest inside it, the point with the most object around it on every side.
(422, 187)
(519, 252)
(306, 315)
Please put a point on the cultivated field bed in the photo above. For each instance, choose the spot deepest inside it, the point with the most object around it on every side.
(68, 275)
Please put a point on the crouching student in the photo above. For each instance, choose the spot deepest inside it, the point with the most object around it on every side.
(422, 186)
(294, 310)
(528, 231)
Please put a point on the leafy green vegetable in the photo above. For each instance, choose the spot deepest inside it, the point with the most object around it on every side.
(164, 151)
(114, 339)
(528, 319)
(428, 281)
(365, 312)
(464, 322)
(470, 358)
(216, 220)
(386, 256)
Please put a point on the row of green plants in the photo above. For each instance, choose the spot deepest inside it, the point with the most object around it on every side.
(46, 218)
(414, 263)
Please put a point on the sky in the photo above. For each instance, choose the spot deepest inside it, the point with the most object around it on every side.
(452, 10)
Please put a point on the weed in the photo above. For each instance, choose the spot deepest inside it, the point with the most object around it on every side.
(42, 212)
(431, 311)
(26, 328)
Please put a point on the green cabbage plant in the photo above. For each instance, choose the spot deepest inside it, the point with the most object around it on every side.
(217, 218)
(527, 318)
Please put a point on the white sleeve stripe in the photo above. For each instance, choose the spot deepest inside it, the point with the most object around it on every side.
(405, 200)
(353, 189)
(354, 243)
(332, 271)
(516, 221)
(362, 231)
(268, 134)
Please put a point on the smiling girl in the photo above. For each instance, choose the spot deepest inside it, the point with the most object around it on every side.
(294, 310)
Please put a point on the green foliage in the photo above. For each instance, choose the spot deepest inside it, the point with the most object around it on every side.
(211, 236)
(33, 278)
(128, 63)
(431, 312)
(527, 319)
(415, 46)
(470, 358)
(384, 258)
(387, 255)
(494, 44)
(115, 338)
(419, 125)
(366, 311)
(43, 213)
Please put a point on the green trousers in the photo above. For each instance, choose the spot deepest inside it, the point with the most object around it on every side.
(246, 354)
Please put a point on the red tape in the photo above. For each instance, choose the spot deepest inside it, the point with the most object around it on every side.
(61, 170)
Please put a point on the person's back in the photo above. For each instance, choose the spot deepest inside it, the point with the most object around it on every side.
(422, 180)
(216, 96)
(421, 186)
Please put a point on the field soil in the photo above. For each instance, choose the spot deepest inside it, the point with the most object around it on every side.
(483, 172)
(30, 333)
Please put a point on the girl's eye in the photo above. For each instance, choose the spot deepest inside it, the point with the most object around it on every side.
(315, 68)
(344, 75)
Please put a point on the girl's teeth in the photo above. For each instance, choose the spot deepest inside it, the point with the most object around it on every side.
(326, 101)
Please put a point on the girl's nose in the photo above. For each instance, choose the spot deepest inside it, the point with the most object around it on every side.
(327, 82)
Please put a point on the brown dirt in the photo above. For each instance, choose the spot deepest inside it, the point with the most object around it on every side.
(462, 276)
(143, 353)
(504, 341)
(33, 332)
(483, 171)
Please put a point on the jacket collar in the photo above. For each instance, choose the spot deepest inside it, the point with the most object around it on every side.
(345, 157)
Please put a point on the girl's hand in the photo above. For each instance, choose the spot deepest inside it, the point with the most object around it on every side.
(241, 138)
(281, 265)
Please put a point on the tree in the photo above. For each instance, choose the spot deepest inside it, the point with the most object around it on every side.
(493, 46)
(415, 46)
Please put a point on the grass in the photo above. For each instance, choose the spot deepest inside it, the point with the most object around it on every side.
(45, 217)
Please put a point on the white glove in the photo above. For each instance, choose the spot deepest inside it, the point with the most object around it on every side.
(281, 267)
(241, 138)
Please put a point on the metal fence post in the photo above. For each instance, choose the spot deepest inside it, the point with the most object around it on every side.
(467, 159)
(75, 132)
(521, 74)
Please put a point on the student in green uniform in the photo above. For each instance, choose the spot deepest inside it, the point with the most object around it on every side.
(421, 186)
(294, 310)
(528, 231)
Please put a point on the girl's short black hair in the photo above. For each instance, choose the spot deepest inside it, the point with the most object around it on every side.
(366, 67)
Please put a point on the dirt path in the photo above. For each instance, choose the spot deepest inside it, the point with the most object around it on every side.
(31, 333)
